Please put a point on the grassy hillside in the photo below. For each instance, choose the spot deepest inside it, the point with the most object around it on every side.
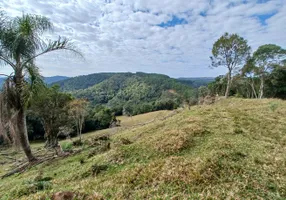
(234, 149)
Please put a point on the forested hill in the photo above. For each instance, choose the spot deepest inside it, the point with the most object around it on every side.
(129, 93)
(83, 82)
(196, 82)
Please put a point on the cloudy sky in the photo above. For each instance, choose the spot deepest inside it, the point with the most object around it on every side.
(172, 37)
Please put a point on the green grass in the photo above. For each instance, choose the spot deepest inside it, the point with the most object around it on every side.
(234, 149)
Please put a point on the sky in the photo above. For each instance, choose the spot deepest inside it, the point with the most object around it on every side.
(172, 37)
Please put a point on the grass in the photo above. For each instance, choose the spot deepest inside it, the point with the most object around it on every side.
(234, 149)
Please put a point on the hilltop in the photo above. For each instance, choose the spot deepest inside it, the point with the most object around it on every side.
(85, 81)
(234, 149)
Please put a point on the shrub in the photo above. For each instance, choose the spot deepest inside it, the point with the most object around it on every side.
(273, 106)
(67, 146)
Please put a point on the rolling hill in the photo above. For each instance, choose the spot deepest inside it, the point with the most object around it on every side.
(196, 82)
(234, 149)
(52, 79)
(132, 93)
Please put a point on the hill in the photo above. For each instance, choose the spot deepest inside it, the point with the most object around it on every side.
(234, 149)
(52, 79)
(136, 93)
(83, 82)
(196, 82)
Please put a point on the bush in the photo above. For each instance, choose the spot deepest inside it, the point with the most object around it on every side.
(273, 106)
(67, 146)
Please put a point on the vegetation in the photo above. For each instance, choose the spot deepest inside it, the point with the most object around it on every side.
(132, 94)
(78, 111)
(232, 52)
(196, 82)
(233, 149)
(20, 44)
(82, 82)
(50, 106)
(263, 62)
(248, 83)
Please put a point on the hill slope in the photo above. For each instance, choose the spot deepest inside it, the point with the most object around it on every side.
(83, 82)
(196, 82)
(136, 93)
(234, 149)
(53, 79)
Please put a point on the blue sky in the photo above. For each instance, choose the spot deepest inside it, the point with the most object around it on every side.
(172, 37)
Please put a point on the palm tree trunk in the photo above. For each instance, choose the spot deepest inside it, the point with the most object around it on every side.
(21, 117)
(23, 135)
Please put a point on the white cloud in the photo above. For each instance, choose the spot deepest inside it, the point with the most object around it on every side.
(122, 35)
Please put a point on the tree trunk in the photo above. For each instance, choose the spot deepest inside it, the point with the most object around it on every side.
(261, 89)
(52, 140)
(228, 84)
(21, 117)
(253, 90)
(23, 135)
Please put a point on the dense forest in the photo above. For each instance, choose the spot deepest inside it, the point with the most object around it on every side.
(129, 93)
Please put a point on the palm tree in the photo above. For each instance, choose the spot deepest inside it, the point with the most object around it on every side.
(20, 44)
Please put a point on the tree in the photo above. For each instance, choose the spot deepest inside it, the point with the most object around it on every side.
(20, 44)
(276, 82)
(263, 61)
(247, 72)
(230, 51)
(78, 112)
(51, 106)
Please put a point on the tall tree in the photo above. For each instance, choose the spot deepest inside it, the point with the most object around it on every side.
(78, 112)
(263, 61)
(230, 51)
(20, 44)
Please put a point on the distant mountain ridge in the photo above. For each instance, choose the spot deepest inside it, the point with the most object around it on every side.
(48, 80)
(196, 82)
(85, 81)
(52, 79)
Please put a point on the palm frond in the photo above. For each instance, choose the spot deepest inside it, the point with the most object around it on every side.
(34, 84)
(50, 46)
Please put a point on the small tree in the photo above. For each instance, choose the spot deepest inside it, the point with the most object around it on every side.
(51, 106)
(78, 112)
(263, 61)
(230, 51)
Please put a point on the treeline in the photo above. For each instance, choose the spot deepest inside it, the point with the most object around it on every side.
(250, 75)
(57, 114)
(248, 87)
